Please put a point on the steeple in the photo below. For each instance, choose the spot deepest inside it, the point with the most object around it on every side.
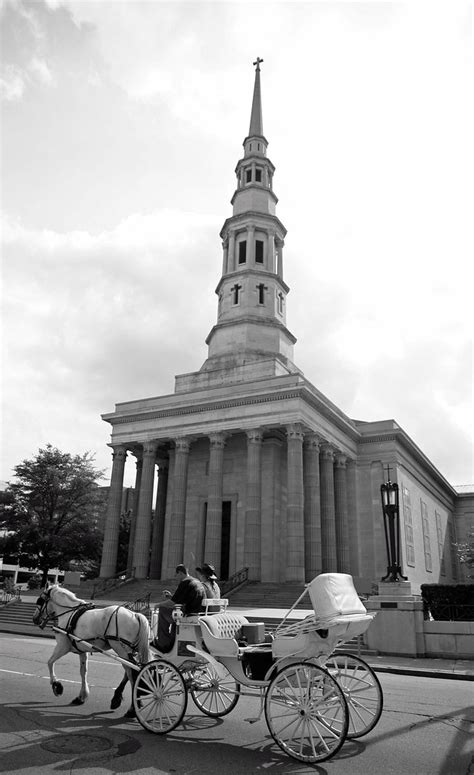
(256, 122)
(251, 332)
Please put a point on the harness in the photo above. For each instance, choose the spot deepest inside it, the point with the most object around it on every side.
(75, 614)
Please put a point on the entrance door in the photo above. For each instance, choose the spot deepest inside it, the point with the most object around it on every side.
(225, 538)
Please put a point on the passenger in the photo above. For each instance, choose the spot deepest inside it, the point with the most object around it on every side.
(189, 594)
(207, 576)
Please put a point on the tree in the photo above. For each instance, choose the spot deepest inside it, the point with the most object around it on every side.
(51, 512)
(465, 552)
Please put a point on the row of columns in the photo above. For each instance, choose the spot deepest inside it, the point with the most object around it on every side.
(317, 534)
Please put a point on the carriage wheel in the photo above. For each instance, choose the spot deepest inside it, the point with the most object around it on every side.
(361, 689)
(159, 696)
(214, 694)
(306, 712)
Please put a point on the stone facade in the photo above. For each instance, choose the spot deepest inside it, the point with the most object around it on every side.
(254, 466)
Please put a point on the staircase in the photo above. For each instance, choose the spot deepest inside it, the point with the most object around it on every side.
(17, 617)
(256, 594)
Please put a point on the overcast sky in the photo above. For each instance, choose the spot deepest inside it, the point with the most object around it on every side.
(122, 123)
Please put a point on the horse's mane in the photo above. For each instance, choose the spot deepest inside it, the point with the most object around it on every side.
(70, 597)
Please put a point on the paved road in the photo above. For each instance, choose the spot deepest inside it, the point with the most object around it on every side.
(426, 728)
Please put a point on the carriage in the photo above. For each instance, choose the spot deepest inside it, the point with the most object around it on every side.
(313, 698)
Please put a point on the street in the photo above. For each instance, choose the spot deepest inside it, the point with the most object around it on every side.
(426, 727)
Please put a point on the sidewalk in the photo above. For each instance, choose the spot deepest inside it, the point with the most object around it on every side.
(457, 669)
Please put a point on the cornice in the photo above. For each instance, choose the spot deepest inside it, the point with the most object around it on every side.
(250, 215)
(155, 414)
(245, 319)
(400, 437)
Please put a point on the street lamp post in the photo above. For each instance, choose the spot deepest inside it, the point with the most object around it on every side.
(391, 523)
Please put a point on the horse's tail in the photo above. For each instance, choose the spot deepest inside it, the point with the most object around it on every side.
(144, 637)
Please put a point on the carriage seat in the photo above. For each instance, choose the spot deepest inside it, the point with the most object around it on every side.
(215, 605)
(220, 633)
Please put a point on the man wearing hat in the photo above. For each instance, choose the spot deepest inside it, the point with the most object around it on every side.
(207, 577)
(189, 594)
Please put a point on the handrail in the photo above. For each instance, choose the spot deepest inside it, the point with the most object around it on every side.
(140, 604)
(11, 594)
(237, 578)
(105, 585)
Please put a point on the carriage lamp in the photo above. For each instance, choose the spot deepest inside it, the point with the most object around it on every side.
(391, 523)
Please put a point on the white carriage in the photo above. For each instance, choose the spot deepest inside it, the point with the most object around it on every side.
(313, 697)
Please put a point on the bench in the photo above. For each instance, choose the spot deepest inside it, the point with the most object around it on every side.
(220, 633)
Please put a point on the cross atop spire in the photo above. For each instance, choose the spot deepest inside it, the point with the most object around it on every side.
(256, 122)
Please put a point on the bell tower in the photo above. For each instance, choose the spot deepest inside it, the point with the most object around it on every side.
(251, 317)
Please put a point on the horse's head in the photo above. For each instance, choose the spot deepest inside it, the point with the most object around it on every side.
(42, 615)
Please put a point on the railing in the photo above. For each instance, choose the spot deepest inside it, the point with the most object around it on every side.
(10, 594)
(449, 612)
(238, 578)
(140, 605)
(105, 585)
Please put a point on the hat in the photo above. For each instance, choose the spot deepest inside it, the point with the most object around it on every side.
(181, 569)
(209, 571)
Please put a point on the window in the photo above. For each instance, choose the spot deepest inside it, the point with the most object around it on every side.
(248, 176)
(242, 252)
(407, 516)
(280, 301)
(261, 293)
(439, 534)
(258, 175)
(258, 146)
(259, 251)
(426, 536)
(452, 547)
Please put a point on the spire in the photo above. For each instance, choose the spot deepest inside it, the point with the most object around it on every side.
(256, 123)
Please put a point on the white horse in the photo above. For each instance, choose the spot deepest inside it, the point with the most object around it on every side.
(114, 627)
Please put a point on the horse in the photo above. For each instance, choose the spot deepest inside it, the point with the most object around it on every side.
(114, 627)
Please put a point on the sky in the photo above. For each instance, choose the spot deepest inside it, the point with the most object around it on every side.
(121, 126)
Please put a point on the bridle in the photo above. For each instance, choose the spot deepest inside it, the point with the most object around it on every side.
(42, 616)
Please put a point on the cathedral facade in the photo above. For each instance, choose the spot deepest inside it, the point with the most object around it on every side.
(255, 467)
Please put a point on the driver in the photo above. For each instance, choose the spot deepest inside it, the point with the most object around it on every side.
(189, 594)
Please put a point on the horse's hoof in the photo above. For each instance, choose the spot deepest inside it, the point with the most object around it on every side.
(115, 703)
(57, 688)
(130, 713)
(77, 701)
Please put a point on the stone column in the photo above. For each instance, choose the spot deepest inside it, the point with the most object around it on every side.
(141, 551)
(159, 520)
(178, 508)
(340, 504)
(251, 246)
(312, 507)
(279, 272)
(231, 253)
(253, 505)
(271, 252)
(136, 500)
(328, 514)
(295, 505)
(212, 545)
(224, 257)
(112, 520)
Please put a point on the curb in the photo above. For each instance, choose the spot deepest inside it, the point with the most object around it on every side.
(422, 672)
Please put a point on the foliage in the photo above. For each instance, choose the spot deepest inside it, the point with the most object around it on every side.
(465, 552)
(51, 511)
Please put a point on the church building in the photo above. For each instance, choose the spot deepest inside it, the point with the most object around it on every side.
(255, 467)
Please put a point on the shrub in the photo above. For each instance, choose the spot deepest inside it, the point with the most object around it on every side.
(448, 602)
